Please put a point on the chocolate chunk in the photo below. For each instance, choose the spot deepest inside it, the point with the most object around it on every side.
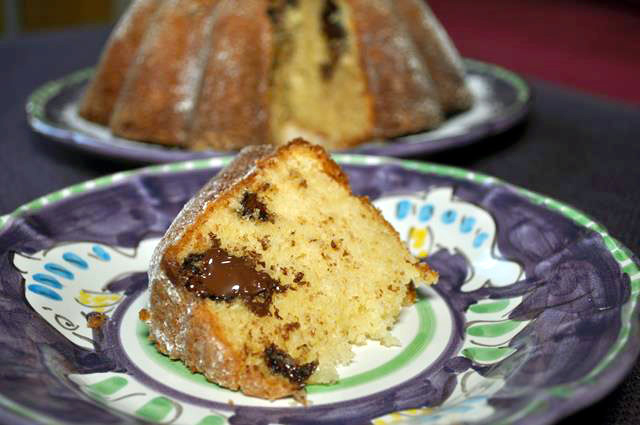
(335, 35)
(282, 363)
(299, 277)
(221, 276)
(253, 208)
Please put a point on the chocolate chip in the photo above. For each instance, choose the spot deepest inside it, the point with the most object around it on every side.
(253, 208)
(281, 363)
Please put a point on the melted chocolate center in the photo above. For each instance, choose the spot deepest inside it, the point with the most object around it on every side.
(221, 276)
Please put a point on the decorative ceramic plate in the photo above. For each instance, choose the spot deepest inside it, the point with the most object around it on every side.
(501, 100)
(535, 314)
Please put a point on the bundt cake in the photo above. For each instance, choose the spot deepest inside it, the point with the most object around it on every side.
(274, 270)
(222, 74)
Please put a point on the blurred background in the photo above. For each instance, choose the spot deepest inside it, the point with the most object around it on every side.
(589, 45)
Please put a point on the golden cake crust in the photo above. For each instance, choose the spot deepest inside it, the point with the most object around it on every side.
(100, 97)
(402, 92)
(438, 52)
(158, 97)
(238, 71)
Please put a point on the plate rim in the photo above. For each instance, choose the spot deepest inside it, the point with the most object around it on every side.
(78, 140)
(623, 353)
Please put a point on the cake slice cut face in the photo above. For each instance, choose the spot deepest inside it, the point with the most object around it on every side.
(274, 270)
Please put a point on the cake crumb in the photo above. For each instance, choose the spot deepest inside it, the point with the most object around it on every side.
(265, 243)
(144, 315)
(411, 296)
(95, 320)
(300, 396)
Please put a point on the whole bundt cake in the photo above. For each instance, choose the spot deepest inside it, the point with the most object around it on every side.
(274, 270)
(221, 74)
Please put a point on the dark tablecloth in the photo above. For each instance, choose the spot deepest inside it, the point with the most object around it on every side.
(574, 147)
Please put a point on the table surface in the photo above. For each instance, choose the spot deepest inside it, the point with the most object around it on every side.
(574, 147)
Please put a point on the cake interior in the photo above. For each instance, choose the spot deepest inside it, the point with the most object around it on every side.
(318, 89)
(337, 273)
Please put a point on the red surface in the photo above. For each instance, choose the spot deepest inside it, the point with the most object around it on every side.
(590, 45)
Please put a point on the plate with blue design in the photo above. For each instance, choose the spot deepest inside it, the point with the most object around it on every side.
(535, 314)
(502, 99)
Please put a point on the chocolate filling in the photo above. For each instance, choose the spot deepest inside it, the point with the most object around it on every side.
(282, 363)
(218, 275)
(335, 35)
(252, 207)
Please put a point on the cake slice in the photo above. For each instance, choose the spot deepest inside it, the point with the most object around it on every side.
(274, 270)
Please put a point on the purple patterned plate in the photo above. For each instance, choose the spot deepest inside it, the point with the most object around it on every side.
(535, 314)
(502, 100)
